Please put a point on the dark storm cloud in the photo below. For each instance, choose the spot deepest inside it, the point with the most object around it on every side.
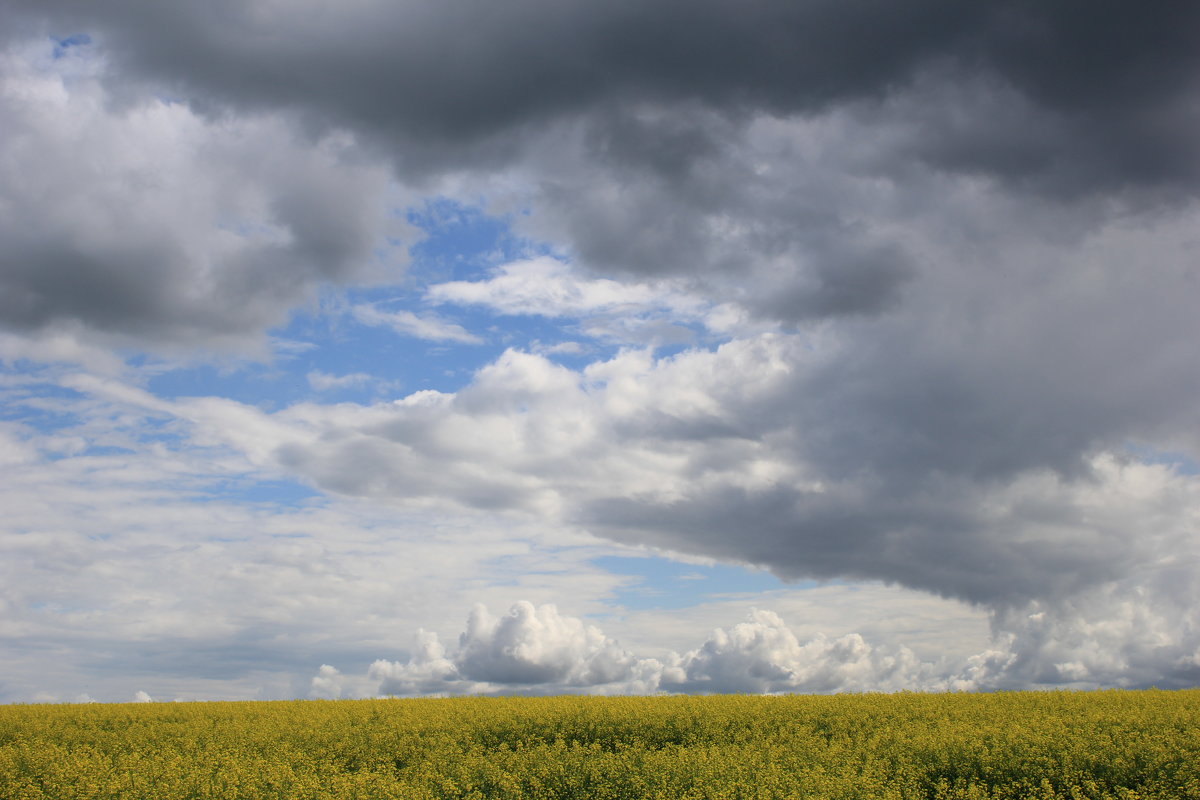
(465, 69)
(934, 541)
(1119, 79)
(636, 127)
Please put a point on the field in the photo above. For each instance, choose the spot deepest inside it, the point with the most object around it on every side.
(1009, 745)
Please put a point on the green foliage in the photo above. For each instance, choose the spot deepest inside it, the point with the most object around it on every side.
(1075, 745)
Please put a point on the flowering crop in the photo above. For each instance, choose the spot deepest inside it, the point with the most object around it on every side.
(1112, 744)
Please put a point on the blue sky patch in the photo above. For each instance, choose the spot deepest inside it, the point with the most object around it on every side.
(62, 46)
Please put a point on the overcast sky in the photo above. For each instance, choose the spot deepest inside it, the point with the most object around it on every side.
(613, 347)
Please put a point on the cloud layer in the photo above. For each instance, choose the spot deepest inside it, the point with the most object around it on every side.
(768, 152)
(1091, 72)
(676, 452)
(936, 264)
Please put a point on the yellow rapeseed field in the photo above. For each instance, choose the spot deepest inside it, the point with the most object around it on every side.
(1112, 744)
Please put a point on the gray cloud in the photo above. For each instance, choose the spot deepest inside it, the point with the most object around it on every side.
(149, 225)
(978, 219)
(1130, 633)
(732, 454)
(636, 128)
(465, 71)
(770, 218)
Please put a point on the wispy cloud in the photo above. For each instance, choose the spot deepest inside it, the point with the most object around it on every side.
(428, 326)
(324, 382)
(621, 311)
(549, 287)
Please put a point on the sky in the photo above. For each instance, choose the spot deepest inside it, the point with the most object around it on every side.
(543, 347)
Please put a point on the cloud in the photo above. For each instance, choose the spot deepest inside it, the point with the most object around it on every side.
(407, 323)
(935, 206)
(780, 174)
(1125, 633)
(537, 645)
(531, 649)
(59, 347)
(108, 553)
(787, 232)
(890, 454)
(174, 565)
(426, 672)
(536, 61)
(763, 656)
(141, 697)
(143, 222)
(772, 173)
(536, 650)
(561, 348)
(676, 452)
(168, 560)
(14, 451)
(549, 287)
(657, 312)
(324, 382)
(326, 684)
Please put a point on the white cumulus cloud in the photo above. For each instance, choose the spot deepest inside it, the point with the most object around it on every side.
(530, 649)
(763, 655)
(326, 684)
(537, 650)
